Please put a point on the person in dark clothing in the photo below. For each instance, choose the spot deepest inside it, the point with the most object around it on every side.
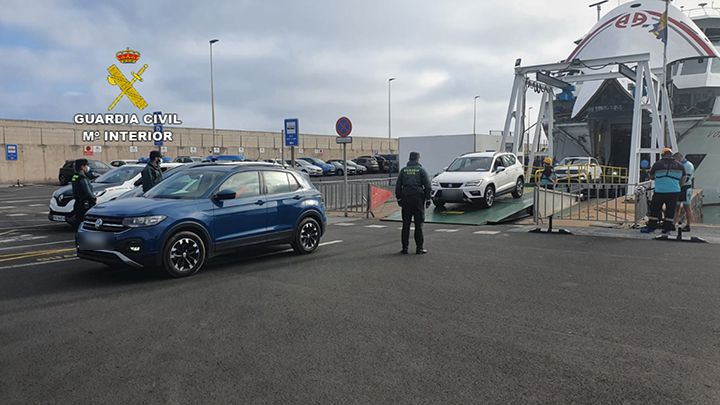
(82, 192)
(669, 176)
(413, 195)
(548, 178)
(151, 174)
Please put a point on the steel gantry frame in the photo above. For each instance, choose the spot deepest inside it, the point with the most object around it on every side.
(653, 98)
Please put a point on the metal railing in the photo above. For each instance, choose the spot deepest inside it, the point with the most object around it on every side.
(588, 174)
(358, 192)
(592, 202)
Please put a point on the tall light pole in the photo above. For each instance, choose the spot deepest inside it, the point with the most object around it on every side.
(390, 80)
(475, 122)
(212, 92)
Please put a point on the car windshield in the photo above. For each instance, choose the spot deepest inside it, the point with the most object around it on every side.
(574, 161)
(119, 175)
(470, 164)
(188, 184)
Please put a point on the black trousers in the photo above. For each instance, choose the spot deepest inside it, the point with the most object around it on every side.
(413, 210)
(669, 200)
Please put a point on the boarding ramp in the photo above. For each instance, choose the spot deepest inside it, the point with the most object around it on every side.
(505, 209)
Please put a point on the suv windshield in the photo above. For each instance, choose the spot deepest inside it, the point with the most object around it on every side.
(186, 185)
(119, 175)
(470, 164)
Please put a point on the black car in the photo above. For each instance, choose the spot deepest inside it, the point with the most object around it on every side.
(369, 162)
(68, 169)
(391, 161)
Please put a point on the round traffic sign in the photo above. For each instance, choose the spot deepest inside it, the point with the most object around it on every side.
(343, 127)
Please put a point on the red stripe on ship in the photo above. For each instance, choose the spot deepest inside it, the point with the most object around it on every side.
(688, 31)
(589, 37)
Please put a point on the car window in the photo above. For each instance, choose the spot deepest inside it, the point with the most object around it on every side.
(119, 175)
(508, 160)
(186, 185)
(98, 165)
(276, 182)
(244, 184)
(470, 164)
(294, 184)
(69, 164)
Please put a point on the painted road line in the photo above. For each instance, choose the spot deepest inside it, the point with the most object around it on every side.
(16, 215)
(9, 207)
(37, 244)
(290, 250)
(23, 201)
(486, 232)
(6, 232)
(344, 224)
(16, 256)
(55, 225)
(412, 228)
(21, 238)
(14, 266)
(376, 226)
(447, 230)
(37, 205)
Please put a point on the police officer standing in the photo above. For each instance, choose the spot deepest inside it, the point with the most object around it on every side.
(151, 174)
(82, 191)
(413, 194)
(669, 176)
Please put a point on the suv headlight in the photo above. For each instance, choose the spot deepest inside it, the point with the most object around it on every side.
(474, 183)
(137, 222)
(435, 183)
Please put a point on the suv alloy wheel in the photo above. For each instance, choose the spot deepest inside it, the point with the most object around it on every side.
(184, 254)
(307, 236)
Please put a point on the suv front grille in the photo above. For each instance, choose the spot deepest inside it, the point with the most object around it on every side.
(450, 185)
(108, 224)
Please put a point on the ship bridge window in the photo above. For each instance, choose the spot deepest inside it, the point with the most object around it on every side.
(715, 65)
(694, 67)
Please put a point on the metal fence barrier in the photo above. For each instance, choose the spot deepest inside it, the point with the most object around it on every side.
(593, 202)
(359, 193)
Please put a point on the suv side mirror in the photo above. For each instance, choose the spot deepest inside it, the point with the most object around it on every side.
(445, 168)
(500, 169)
(224, 195)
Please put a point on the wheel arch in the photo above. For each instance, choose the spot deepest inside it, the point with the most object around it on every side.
(194, 227)
(314, 214)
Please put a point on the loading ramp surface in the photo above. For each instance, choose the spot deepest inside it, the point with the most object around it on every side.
(505, 209)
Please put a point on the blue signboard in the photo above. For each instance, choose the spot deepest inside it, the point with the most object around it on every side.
(343, 127)
(292, 132)
(158, 128)
(11, 152)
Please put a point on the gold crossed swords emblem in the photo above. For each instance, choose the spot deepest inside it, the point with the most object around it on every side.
(117, 78)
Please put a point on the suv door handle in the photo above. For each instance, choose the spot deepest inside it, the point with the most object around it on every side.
(259, 202)
(297, 197)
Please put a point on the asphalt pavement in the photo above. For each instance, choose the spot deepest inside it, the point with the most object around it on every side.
(490, 315)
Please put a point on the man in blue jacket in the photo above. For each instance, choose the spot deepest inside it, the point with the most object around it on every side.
(669, 176)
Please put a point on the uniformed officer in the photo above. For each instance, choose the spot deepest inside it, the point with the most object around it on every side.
(82, 191)
(685, 193)
(669, 176)
(413, 194)
(151, 174)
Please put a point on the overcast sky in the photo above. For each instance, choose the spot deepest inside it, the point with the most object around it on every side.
(312, 59)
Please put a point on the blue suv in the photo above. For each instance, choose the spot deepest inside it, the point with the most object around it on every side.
(204, 211)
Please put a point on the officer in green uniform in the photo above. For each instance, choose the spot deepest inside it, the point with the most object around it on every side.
(82, 191)
(413, 195)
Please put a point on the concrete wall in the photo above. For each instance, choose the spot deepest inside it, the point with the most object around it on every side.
(44, 146)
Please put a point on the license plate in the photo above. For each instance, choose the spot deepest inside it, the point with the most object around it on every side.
(58, 218)
(93, 241)
(453, 194)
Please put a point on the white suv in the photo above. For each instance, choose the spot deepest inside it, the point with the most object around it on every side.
(479, 177)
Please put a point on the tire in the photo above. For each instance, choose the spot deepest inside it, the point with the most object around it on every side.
(307, 236)
(62, 179)
(489, 198)
(184, 254)
(339, 172)
(439, 204)
(519, 188)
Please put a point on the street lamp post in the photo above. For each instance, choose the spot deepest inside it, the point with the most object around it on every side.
(212, 92)
(390, 80)
(475, 122)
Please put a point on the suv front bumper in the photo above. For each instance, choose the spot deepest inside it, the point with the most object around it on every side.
(135, 247)
(464, 194)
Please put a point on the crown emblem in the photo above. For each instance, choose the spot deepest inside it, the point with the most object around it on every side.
(128, 56)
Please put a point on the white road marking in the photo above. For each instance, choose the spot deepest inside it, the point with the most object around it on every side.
(37, 244)
(344, 224)
(486, 232)
(376, 226)
(9, 207)
(23, 201)
(16, 215)
(22, 238)
(36, 205)
(14, 266)
(412, 228)
(332, 242)
(7, 232)
(447, 230)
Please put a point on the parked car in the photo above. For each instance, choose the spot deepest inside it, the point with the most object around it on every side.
(122, 162)
(203, 212)
(579, 169)
(378, 159)
(369, 162)
(359, 169)
(188, 159)
(305, 167)
(67, 170)
(327, 168)
(340, 168)
(391, 161)
(145, 159)
(110, 185)
(479, 177)
(224, 158)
